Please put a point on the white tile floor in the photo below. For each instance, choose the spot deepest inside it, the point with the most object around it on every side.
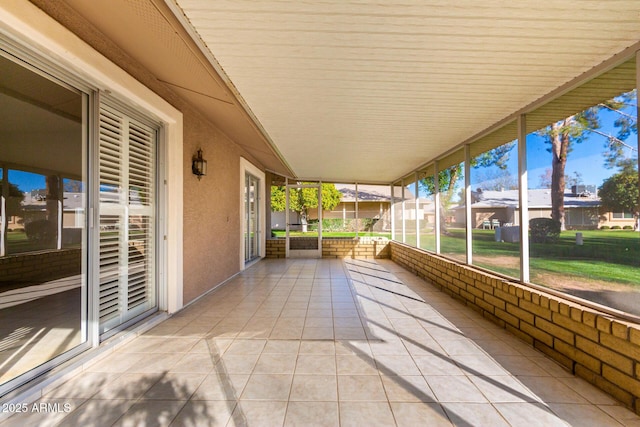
(327, 343)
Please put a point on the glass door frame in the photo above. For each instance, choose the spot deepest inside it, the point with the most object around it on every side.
(252, 242)
(39, 65)
(302, 253)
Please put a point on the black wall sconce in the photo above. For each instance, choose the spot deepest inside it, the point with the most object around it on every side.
(199, 165)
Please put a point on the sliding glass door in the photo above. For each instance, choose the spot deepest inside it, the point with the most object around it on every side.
(43, 225)
(78, 215)
(252, 218)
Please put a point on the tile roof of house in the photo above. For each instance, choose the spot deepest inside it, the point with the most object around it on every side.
(371, 193)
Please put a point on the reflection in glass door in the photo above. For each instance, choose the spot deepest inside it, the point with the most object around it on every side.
(43, 200)
(252, 220)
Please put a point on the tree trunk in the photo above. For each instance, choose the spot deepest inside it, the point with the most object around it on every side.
(559, 148)
(303, 220)
(446, 201)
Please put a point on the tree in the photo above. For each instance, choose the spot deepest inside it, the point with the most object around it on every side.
(448, 177)
(72, 185)
(278, 198)
(619, 192)
(14, 202)
(303, 199)
(331, 197)
(575, 179)
(570, 180)
(545, 179)
(497, 180)
(447, 180)
(562, 135)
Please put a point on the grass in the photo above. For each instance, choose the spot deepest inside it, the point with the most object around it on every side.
(282, 233)
(606, 255)
(18, 242)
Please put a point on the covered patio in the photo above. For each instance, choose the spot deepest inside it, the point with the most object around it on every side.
(325, 342)
(181, 304)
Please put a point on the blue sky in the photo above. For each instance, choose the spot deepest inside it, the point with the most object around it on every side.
(586, 158)
(27, 181)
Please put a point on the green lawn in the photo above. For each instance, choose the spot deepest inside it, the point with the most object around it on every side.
(606, 255)
(17, 242)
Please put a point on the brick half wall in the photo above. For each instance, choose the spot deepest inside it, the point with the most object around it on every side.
(593, 345)
(38, 266)
(360, 248)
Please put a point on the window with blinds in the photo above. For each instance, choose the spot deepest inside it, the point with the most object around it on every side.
(127, 218)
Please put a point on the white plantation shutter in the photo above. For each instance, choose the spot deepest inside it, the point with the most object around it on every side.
(111, 155)
(127, 218)
(109, 267)
(142, 142)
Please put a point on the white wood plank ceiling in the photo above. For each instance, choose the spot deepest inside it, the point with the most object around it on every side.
(369, 90)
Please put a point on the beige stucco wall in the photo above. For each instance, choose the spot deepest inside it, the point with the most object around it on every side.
(211, 209)
(211, 227)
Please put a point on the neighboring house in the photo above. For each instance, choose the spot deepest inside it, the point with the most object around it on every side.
(34, 207)
(582, 209)
(374, 203)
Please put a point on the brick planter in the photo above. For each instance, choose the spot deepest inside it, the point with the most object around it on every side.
(360, 248)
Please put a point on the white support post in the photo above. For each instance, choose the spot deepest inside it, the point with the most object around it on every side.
(357, 216)
(436, 201)
(60, 225)
(4, 217)
(319, 219)
(3, 223)
(638, 139)
(523, 189)
(404, 215)
(416, 200)
(393, 214)
(286, 217)
(467, 204)
(344, 215)
(59, 216)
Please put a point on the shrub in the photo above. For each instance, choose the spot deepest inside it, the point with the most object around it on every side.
(627, 227)
(616, 227)
(336, 224)
(605, 227)
(40, 230)
(544, 230)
